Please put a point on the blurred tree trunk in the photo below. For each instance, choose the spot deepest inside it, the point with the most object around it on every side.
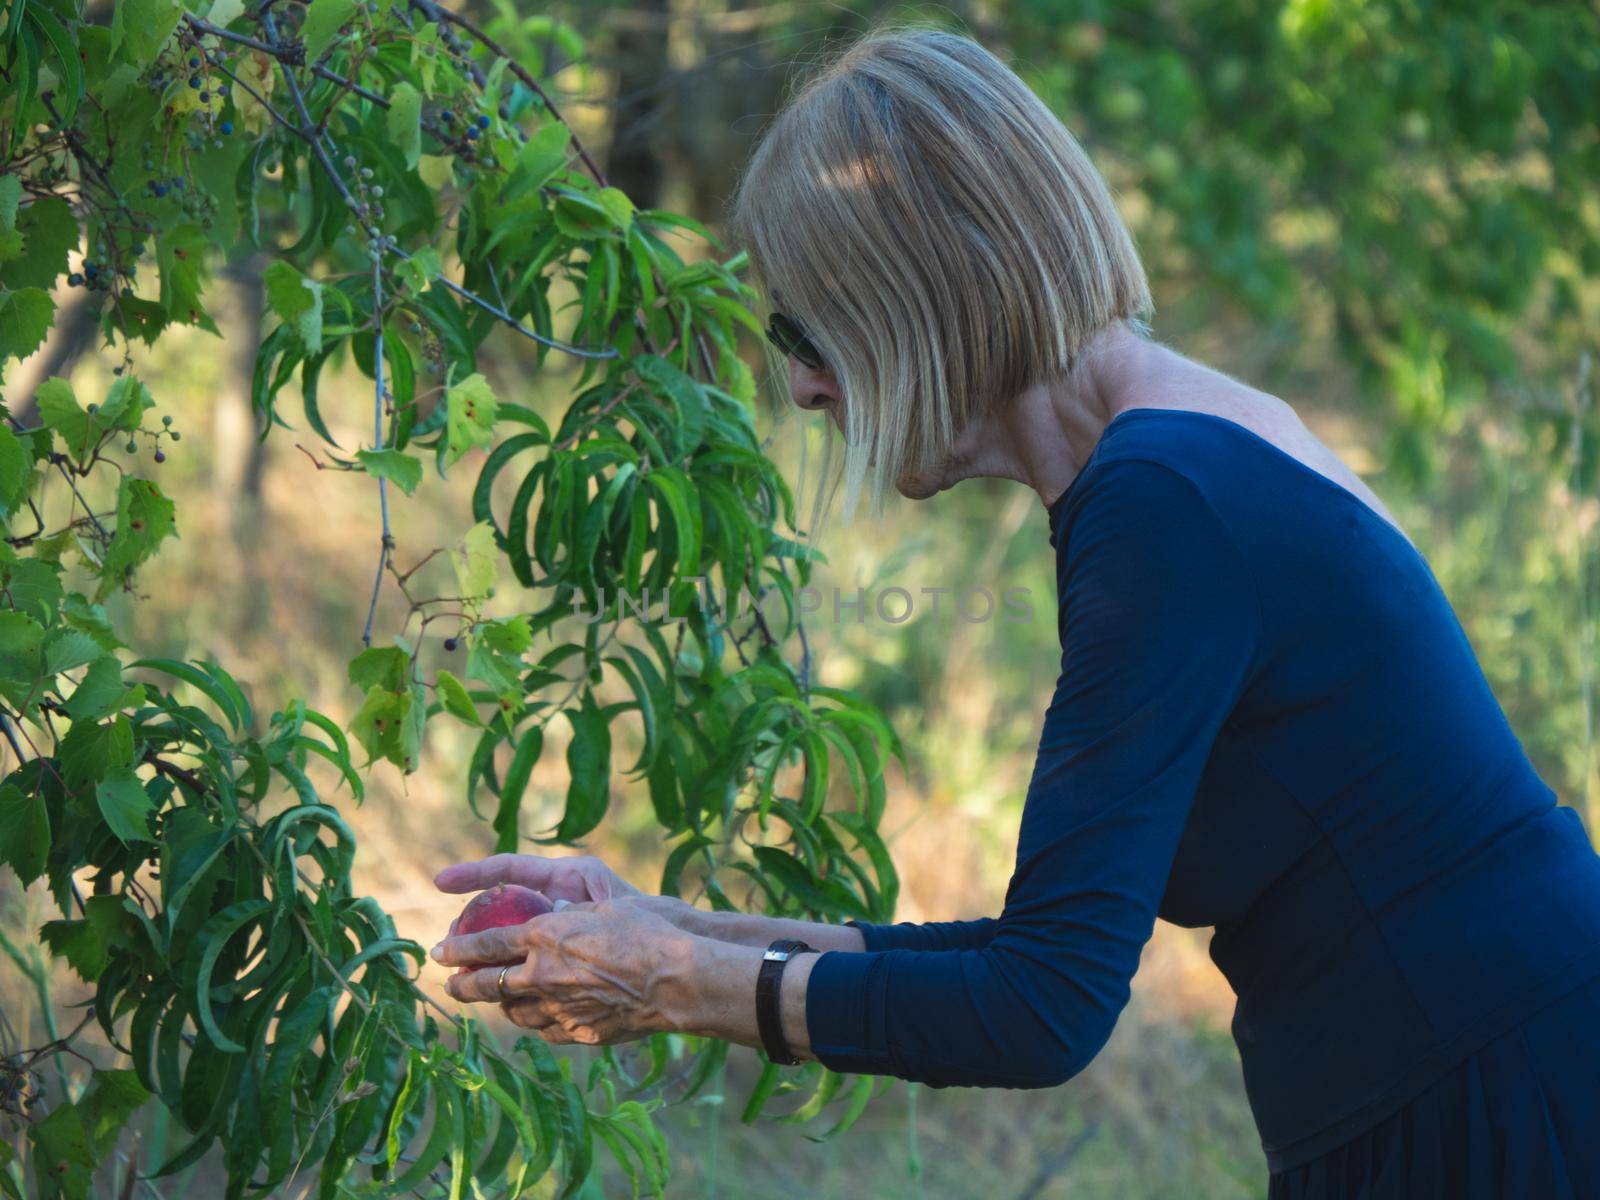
(239, 453)
(633, 162)
(70, 337)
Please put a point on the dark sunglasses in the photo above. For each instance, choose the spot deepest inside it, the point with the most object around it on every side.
(785, 333)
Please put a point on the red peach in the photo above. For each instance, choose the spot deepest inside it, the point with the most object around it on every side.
(502, 905)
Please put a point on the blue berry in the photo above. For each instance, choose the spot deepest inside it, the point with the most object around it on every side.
(160, 189)
(204, 96)
(226, 128)
(472, 133)
(483, 121)
(447, 117)
(74, 280)
(194, 82)
(194, 60)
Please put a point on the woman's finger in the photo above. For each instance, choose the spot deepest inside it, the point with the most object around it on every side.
(527, 1013)
(508, 943)
(529, 870)
(484, 985)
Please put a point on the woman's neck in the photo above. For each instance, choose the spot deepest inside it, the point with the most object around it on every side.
(1045, 435)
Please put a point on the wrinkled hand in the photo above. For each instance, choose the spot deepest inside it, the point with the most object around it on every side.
(579, 878)
(595, 973)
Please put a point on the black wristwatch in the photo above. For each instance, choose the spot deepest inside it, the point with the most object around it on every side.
(768, 985)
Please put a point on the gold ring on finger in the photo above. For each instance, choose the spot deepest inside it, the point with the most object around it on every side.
(502, 983)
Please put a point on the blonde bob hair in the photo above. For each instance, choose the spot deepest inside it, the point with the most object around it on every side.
(940, 235)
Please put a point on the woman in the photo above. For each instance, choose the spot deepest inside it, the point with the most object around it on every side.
(1267, 718)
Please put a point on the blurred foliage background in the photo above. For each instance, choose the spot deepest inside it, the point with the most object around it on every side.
(1384, 211)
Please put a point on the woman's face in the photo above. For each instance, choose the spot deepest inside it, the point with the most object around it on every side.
(817, 389)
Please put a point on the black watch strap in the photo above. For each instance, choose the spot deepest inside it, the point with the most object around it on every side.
(769, 984)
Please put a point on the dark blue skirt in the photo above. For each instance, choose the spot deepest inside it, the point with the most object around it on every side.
(1519, 1118)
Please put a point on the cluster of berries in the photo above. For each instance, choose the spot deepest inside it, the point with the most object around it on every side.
(461, 131)
(94, 276)
(166, 430)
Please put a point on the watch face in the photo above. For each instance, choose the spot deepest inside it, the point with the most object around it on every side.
(776, 956)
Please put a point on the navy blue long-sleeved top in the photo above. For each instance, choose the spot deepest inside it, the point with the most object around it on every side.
(1268, 720)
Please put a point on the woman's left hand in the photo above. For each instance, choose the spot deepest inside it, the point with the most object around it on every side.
(595, 973)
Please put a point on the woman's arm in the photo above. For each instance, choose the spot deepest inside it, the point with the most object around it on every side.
(755, 931)
(1162, 632)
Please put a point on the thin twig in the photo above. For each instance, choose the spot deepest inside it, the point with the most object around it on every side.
(386, 542)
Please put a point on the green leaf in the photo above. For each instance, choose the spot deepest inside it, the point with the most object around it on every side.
(66, 649)
(60, 411)
(111, 1098)
(298, 302)
(90, 752)
(63, 1161)
(144, 521)
(686, 396)
(34, 586)
(100, 690)
(25, 318)
(472, 412)
(126, 402)
(24, 832)
(16, 474)
(456, 699)
(405, 121)
(541, 156)
(20, 639)
(589, 762)
(418, 271)
(10, 196)
(211, 940)
(321, 26)
(494, 654)
(125, 805)
(384, 667)
(140, 28)
(396, 466)
(86, 943)
(512, 787)
(50, 233)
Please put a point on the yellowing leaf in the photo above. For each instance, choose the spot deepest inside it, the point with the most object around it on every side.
(436, 169)
(471, 416)
(254, 68)
(475, 564)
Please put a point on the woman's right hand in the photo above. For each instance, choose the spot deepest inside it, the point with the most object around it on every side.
(578, 878)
